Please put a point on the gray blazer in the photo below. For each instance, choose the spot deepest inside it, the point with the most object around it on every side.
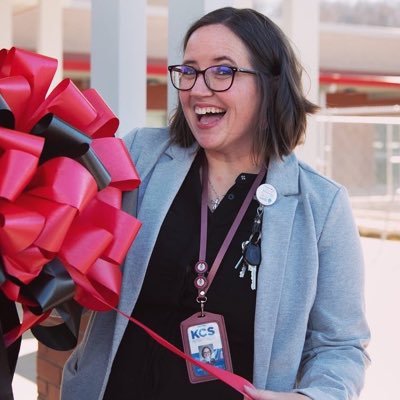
(310, 328)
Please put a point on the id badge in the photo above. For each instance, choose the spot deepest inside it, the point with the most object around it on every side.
(204, 338)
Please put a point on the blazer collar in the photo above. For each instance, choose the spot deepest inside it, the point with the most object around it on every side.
(283, 174)
(148, 157)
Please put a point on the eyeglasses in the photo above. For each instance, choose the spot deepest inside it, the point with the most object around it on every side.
(217, 78)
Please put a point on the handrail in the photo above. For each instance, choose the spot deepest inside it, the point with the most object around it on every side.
(359, 119)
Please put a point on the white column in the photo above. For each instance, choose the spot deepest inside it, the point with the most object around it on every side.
(301, 23)
(5, 24)
(119, 58)
(181, 14)
(50, 33)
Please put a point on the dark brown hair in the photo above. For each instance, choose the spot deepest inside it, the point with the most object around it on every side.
(283, 107)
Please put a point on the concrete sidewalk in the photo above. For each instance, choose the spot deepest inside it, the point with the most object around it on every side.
(382, 297)
(24, 382)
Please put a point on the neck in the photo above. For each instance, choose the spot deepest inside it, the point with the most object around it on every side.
(223, 171)
(231, 164)
(225, 168)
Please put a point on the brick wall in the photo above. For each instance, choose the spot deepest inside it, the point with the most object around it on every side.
(49, 365)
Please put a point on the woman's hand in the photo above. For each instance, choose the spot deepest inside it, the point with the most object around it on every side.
(257, 394)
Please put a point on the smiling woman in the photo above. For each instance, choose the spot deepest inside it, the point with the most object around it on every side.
(244, 252)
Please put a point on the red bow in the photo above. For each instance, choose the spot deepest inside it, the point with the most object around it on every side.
(62, 174)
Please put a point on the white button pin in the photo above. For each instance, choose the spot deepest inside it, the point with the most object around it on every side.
(266, 194)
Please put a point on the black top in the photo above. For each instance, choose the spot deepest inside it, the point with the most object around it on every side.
(143, 369)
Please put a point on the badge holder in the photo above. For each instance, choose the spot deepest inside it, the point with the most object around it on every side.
(204, 338)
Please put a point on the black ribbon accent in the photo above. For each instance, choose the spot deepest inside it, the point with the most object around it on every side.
(63, 140)
(64, 336)
(2, 274)
(50, 288)
(7, 119)
(54, 289)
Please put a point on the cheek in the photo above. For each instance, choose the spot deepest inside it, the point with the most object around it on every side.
(183, 99)
(251, 103)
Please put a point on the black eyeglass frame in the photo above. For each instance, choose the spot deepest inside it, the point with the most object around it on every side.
(203, 71)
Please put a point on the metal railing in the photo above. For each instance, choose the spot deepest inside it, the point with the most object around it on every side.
(360, 148)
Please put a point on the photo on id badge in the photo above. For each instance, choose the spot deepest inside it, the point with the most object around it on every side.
(206, 346)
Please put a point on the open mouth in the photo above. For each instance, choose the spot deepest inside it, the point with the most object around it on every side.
(208, 115)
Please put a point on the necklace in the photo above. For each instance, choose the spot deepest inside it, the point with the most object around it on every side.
(214, 203)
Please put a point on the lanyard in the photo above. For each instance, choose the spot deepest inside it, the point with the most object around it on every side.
(202, 282)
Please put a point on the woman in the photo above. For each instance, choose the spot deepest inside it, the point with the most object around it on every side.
(289, 274)
(206, 355)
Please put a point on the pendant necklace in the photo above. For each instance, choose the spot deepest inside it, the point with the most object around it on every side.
(214, 203)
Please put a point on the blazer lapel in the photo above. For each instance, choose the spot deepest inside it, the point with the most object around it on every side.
(276, 233)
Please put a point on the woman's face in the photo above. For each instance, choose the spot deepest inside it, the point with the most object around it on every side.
(206, 352)
(220, 121)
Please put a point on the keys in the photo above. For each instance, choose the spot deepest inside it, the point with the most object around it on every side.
(251, 251)
(244, 244)
(250, 260)
(253, 276)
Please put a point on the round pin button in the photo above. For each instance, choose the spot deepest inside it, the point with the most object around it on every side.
(266, 194)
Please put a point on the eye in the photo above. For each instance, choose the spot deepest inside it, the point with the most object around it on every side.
(186, 70)
(222, 71)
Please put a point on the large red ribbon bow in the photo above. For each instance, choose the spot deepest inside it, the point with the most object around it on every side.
(61, 182)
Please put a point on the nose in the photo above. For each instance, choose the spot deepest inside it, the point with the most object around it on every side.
(200, 87)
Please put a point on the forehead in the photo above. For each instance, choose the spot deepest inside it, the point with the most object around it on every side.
(214, 43)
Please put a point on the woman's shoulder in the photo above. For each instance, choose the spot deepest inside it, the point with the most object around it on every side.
(146, 141)
(294, 176)
(324, 196)
(316, 182)
(145, 136)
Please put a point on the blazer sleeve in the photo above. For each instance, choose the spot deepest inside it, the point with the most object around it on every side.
(334, 356)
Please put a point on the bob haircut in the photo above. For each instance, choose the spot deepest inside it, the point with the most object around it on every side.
(283, 107)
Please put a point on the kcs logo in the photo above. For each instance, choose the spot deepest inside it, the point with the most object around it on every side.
(202, 332)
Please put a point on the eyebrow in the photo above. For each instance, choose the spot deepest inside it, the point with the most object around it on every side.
(216, 59)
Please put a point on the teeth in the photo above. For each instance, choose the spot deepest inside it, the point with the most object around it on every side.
(208, 110)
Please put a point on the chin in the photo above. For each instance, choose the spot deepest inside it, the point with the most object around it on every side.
(207, 144)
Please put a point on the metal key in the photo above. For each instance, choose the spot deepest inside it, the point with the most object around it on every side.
(253, 276)
(242, 271)
(244, 244)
